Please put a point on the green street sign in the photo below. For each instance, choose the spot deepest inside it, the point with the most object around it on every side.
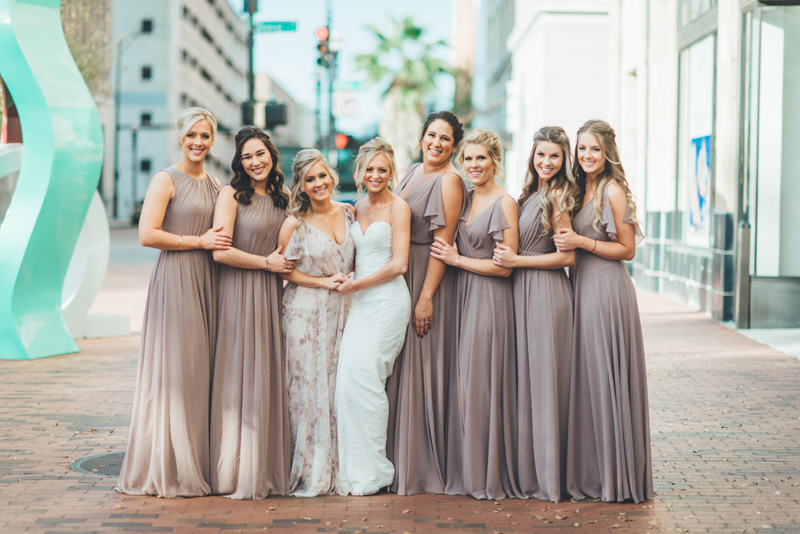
(262, 27)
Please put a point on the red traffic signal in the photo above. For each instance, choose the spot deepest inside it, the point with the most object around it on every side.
(341, 141)
(321, 33)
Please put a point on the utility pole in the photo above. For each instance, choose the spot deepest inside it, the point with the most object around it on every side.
(248, 111)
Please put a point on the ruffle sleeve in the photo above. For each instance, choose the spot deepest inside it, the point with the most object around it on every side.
(498, 221)
(297, 247)
(610, 227)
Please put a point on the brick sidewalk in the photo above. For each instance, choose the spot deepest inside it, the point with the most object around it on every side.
(725, 429)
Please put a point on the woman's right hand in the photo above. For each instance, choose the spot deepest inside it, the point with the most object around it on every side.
(215, 239)
(333, 282)
(278, 262)
(423, 315)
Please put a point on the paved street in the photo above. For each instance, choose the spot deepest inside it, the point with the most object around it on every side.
(725, 422)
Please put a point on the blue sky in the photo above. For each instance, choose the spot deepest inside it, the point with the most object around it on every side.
(290, 57)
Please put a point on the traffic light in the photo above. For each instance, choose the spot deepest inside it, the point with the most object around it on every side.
(322, 35)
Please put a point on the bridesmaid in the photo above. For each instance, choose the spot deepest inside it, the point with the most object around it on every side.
(544, 340)
(317, 237)
(608, 443)
(250, 454)
(167, 451)
(418, 386)
(481, 411)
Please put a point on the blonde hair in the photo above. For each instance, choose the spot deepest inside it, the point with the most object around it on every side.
(612, 171)
(488, 140)
(299, 203)
(189, 117)
(369, 150)
(552, 208)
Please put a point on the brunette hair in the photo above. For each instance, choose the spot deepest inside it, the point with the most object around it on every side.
(368, 151)
(242, 182)
(299, 203)
(553, 206)
(612, 171)
(450, 118)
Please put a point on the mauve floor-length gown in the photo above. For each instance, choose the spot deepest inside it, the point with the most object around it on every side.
(543, 312)
(418, 387)
(608, 455)
(167, 451)
(250, 444)
(482, 405)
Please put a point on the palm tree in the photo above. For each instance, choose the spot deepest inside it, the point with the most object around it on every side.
(408, 68)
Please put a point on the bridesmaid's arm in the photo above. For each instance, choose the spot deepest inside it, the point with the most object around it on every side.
(449, 253)
(623, 248)
(400, 217)
(452, 200)
(159, 193)
(302, 279)
(225, 217)
(505, 257)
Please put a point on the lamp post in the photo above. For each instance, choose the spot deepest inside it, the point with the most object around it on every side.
(121, 43)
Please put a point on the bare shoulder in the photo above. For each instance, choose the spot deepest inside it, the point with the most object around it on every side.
(510, 206)
(348, 208)
(227, 192)
(162, 179)
(289, 225)
(359, 204)
(451, 183)
(400, 208)
(615, 192)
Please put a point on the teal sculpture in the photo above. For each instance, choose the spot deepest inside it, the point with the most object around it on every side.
(58, 175)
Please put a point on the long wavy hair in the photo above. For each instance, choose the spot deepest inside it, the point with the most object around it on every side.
(488, 140)
(612, 171)
(299, 203)
(242, 182)
(368, 151)
(553, 207)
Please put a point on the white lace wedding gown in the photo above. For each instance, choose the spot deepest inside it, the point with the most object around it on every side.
(373, 336)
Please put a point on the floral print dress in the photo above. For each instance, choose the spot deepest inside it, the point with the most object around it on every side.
(313, 322)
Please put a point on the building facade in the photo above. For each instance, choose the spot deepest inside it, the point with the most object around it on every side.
(702, 95)
(170, 55)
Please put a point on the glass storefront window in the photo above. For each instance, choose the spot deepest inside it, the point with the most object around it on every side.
(692, 10)
(773, 169)
(695, 153)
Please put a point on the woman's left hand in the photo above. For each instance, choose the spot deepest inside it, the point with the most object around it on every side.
(504, 257)
(348, 287)
(444, 251)
(566, 240)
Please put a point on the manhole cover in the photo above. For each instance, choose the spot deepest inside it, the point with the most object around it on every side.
(104, 465)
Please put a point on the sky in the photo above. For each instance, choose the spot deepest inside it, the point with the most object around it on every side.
(290, 57)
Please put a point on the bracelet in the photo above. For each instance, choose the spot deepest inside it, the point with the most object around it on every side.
(594, 246)
(457, 260)
(266, 265)
(180, 242)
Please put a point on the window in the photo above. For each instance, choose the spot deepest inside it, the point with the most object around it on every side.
(145, 165)
(146, 119)
(147, 25)
(147, 72)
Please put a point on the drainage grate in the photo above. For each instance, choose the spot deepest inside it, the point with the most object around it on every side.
(104, 465)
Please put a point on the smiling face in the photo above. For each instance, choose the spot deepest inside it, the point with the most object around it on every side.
(478, 164)
(548, 158)
(437, 143)
(590, 154)
(318, 183)
(256, 160)
(377, 174)
(197, 141)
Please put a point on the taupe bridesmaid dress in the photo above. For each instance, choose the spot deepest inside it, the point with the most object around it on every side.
(543, 312)
(250, 444)
(418, 387)
(608, 455)
(482, 411)
(167, 451)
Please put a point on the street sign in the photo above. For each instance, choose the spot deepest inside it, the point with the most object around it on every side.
(269, 27)
(345, 103)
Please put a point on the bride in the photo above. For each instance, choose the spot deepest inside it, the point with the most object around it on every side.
(379, 312)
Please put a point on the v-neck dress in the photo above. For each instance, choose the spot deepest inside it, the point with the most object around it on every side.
(249, 415)
(482, 407)
(313, 322)
(609, 429)
(543, 312)
(167, 451)
(418, 387)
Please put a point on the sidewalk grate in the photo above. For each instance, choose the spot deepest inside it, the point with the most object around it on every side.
(104, 465)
